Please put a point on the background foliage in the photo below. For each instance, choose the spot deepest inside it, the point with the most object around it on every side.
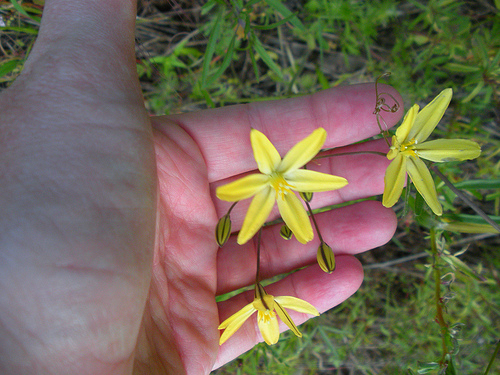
(194, 54)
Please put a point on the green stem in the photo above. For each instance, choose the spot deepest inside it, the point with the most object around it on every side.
(348, 153)
(497, 349)
(257, 274)
(437, 298)
(314, 221)
(231, 208)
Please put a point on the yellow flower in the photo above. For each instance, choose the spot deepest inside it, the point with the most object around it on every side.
(267, 306)
(408, 146)
(275, 183)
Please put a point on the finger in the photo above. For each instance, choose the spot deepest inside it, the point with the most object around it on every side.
(347, 230)
(322, 290)
(90, 46)
(364, 172)
(222, 134)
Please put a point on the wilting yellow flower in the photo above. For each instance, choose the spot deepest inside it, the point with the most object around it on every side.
(408, 146)
(267, 306)
(275, 183)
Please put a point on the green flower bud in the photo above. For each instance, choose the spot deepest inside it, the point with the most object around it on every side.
(326, 258)
(285, 232)
(307, 196)
(223, 230)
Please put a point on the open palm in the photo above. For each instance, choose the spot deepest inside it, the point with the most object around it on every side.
(109, 262)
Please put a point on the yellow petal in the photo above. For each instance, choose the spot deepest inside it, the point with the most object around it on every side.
(297, 304)
(312, 181)
(265, 154)
(303, 152)
(242, 188)
(287, 319)
(405, 127)
(295, 216)
(234, 322)
(257, 213)
(428, 118)
(448, 150)
(269, 328)
(395, 176)
(424, 183)
(395, 148)
(264, 304)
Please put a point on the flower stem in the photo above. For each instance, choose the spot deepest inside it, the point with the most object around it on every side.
(231, 208)
(348, 153)
(497, 349)
(257, 274)
(437, 297)
(314, 221)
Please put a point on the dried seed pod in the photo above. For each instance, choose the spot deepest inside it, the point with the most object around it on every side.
(285, 232)
(326, 258)
(223, 230)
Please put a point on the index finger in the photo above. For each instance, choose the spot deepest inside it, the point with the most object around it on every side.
(222, 134)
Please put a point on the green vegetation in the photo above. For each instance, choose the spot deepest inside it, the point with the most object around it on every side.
(193, 55)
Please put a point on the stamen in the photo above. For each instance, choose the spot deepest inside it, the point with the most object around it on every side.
(409, 147)
(266, 316)
(280, 185)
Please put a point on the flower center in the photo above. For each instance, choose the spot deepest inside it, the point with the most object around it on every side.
(266, 316)
(279, 184)
(408, 148)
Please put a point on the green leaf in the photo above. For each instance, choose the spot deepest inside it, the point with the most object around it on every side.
(254, 64)
(21, 10)
(478, 184)
(425, 368)
(225, 62)
(208, 99)
(474, 92)
(456, 263)
(419, 203)
(275, 24)
(323, 81)
(450, 370)
(9, 66)
(259, 48)
(461, 68)
(285, 12)
(212, 42)
(27, 30)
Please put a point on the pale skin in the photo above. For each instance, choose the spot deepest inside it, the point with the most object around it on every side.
(108, 261)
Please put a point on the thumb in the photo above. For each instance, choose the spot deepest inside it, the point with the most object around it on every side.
(88, 45)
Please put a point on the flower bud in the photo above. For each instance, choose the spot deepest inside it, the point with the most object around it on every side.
(223, 230)
(285, 232)
(326, 258)
(307, 196)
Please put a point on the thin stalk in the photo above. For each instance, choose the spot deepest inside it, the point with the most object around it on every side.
(257, 274)
(437, 296)
(348, 153)
(231, 208)
(497, 349)
(314, 221)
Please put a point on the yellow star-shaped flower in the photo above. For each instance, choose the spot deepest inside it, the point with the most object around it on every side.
(276, 182)
(266, 307)
(409, 146)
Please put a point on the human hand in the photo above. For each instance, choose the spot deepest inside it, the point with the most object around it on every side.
(109, 262)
